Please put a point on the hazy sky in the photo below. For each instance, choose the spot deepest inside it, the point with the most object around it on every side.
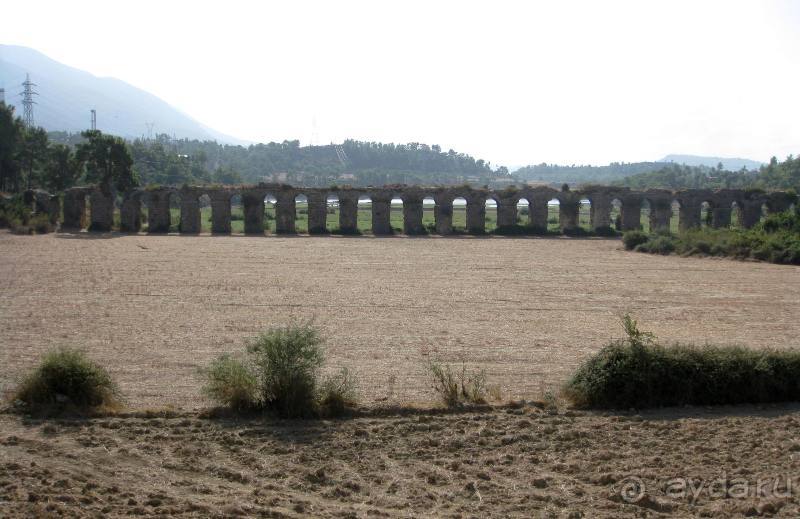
(511, 82)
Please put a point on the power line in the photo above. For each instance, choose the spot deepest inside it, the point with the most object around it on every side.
(27, 101)
(94, 119)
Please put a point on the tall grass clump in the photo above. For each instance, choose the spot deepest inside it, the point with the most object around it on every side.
(280, 372)
(456, 388)
(67, 380)
(638, 372)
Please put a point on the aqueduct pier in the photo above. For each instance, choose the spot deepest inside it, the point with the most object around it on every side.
(101, 206)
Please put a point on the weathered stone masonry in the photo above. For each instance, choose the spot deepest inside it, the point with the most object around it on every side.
(602, 199)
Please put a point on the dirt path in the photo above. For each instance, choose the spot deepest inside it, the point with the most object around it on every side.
(501, 463)
(154, 309)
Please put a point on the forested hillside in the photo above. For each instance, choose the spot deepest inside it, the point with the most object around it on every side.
(167, 161)
(554, 173)
(775, 175)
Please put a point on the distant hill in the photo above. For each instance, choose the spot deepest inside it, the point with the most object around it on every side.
(554, 173)
(66, 95)
(711, 162)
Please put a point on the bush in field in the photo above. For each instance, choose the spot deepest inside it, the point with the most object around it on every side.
(66, 379)
(280, 373)
(455, 388)
(233, 383)
(633, 239)
(637, 372)
(776, 239)
(288, 360)
(16, 216)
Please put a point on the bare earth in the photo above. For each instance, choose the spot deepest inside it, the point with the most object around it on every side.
(155, 309)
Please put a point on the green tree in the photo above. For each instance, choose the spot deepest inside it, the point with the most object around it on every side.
(33, 155)
(10, 135)
(62, 169)
(107, 160)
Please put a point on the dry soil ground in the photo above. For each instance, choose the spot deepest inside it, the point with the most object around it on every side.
(154, 309)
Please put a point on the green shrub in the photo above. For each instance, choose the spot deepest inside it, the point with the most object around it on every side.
(456, 388)
(233, 383)
(41, 224)
(337, 393)
(13, 211)
(632, 239)
(657, 245)
(777, 240)
(637, 372)
(288, 359)
(66, 379)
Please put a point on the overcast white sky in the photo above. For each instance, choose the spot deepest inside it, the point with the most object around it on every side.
(511, 82)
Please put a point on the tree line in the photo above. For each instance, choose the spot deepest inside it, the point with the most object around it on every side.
(775, 175)
(30, 160)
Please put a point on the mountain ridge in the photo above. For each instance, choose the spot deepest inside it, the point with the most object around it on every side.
(67, 94)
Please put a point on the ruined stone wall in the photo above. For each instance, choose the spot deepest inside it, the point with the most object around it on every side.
(100, 207)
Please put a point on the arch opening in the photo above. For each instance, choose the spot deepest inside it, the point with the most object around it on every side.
(301, 214)
(737, 217)
(174, 212)
(429, 213)
(706, 214)
(396, 216)
(270, 212)
(490, 214)
(553, 215)
(524, 213)
(459, 215)
(237, 214)
(675, 217)
(332, 210)
(646, 213)
(204, 202)
(364, 220)
(616, 214)
(585, 214)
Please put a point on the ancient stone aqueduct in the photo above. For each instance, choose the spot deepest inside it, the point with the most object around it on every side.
(102, 205)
